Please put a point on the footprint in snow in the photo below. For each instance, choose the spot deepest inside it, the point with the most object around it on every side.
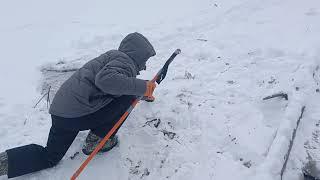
(1, 102)
(311, 12)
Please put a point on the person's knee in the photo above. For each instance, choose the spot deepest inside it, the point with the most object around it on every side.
(53, 159)
(50, 158)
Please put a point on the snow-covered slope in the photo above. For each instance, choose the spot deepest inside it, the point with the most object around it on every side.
(234, 53)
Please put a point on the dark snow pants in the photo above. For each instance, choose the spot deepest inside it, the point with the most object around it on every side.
(30, 158)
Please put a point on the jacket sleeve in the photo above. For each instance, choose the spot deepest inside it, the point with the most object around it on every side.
(116, 78)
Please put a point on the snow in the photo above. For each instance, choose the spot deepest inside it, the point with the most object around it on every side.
(234, 53)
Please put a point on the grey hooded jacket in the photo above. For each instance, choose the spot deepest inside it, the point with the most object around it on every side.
(110, 75)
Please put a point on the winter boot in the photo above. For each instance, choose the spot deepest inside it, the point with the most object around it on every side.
(3, 163)
(93, 140)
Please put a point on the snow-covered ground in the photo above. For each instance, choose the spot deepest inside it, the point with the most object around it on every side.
(234, 53)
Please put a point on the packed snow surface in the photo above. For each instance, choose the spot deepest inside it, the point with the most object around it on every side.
(209, 121)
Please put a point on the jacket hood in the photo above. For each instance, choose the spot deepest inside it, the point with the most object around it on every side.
(138, 48)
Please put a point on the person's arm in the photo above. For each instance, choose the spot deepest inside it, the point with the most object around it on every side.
(115, 78)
